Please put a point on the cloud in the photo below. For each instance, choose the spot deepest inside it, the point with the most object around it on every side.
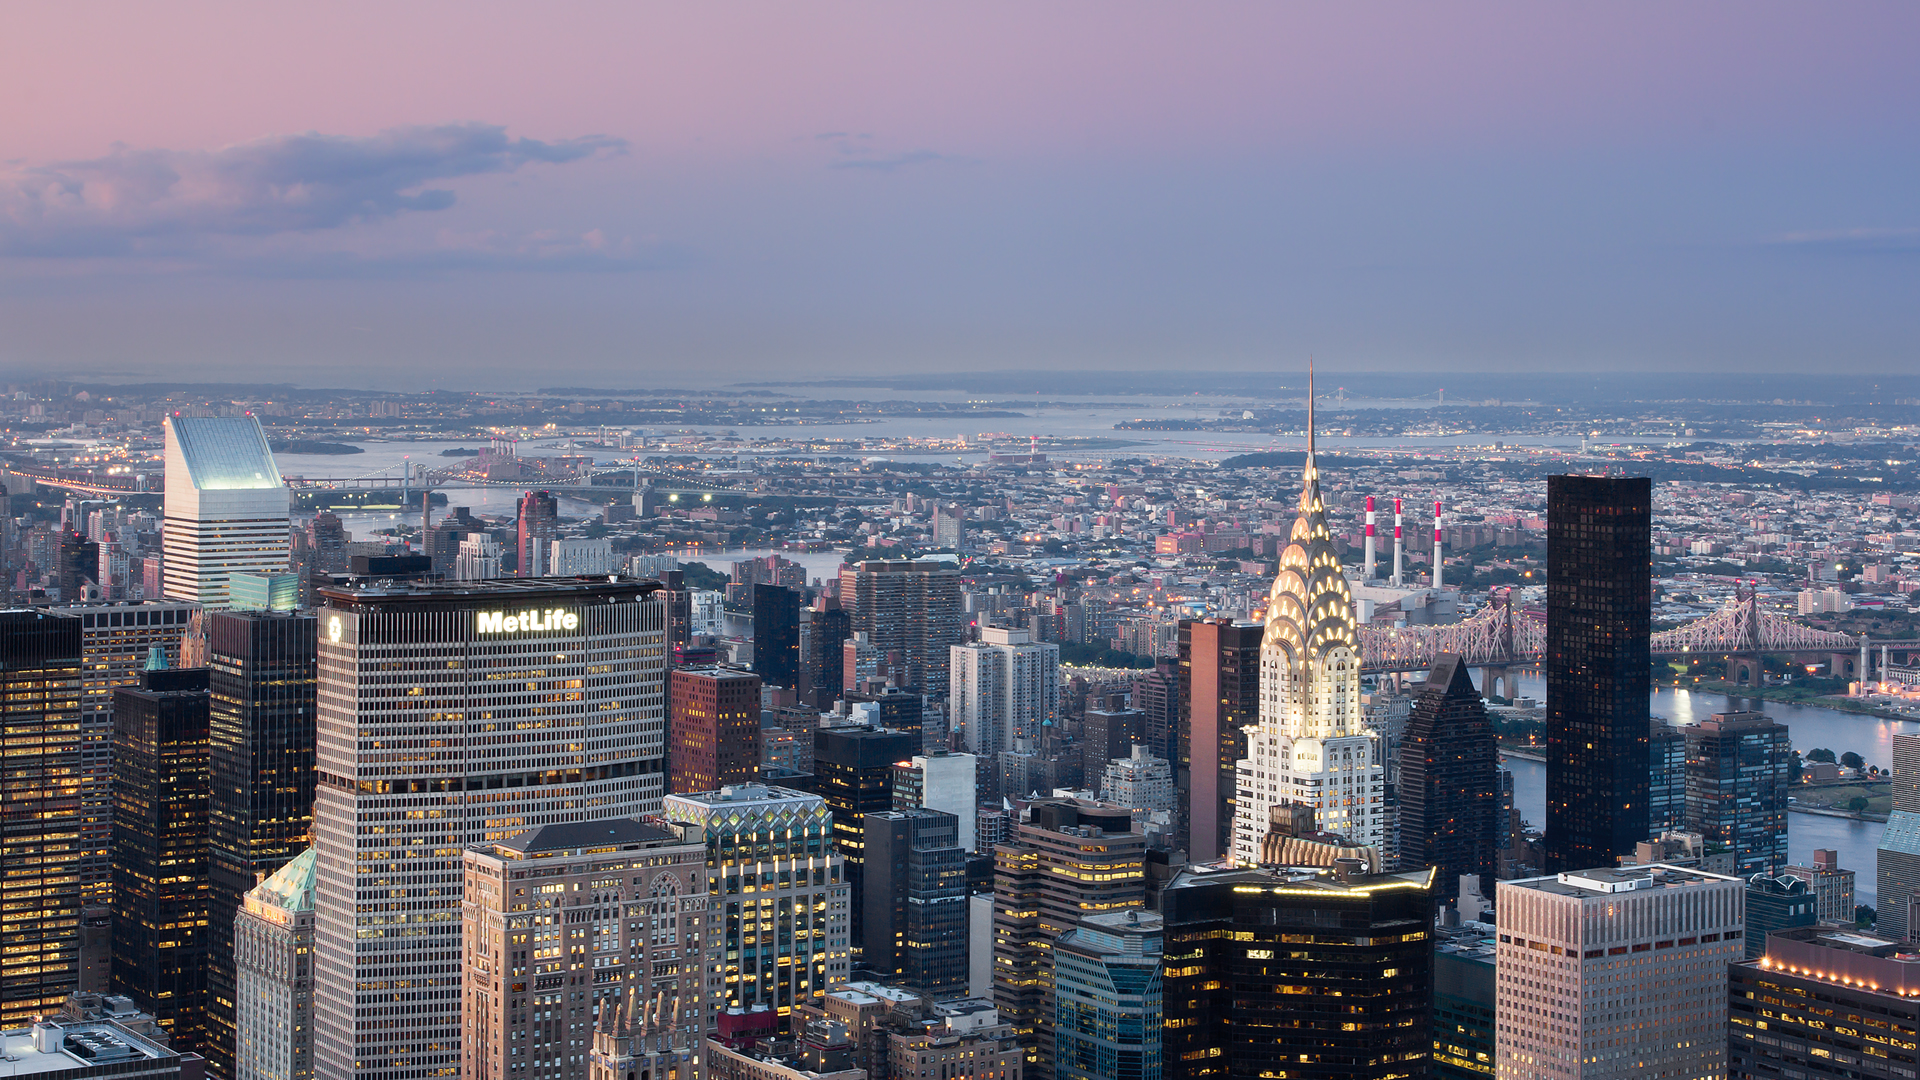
(1853, 240)
(858, 151)
(169, 202)
(588, 252)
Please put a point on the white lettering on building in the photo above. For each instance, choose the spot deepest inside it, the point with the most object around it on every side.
(527, 622)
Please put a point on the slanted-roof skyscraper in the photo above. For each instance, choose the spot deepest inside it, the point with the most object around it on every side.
(1310, 745)
(226, 509)
(1449, 782)
(1599, 606)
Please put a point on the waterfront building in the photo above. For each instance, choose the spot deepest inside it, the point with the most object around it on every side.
(1832, 887)
(1107, 998)
(453, 715)
(261, 675)
(1824, 1004)
(1321, 975)
(1218, 678)
(1737, 788)
(1310, 745)
(1616, 973)
(226, 507)
(778, 893)
(909, 609)
(913, 901)
(713, 728)
(1448, 792)
(272, 946)
(564, 925)
(43, 840)
(1063, 864)
(159, 849)
(1599, 609)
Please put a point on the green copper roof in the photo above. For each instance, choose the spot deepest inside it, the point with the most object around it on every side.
(290, 888)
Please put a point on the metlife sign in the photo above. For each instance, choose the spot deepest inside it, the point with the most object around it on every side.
(526, 622)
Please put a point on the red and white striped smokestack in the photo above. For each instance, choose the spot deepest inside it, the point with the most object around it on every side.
(1439, 556)
(1397, 519)
(1367, 572)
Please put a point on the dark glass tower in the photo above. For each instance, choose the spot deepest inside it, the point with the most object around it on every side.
(41, 846)
(1309, 975)
(826, 646)
(914, 901)
(1599, 582)
(1449, 782)
(1737, 789)
(1219, 680)
(776, 635)
(261, 673)
(159, 849)
(854, 766)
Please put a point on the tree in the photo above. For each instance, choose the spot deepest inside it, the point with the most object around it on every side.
(1864, 917)
(1820, 755)
(1852, 760)
(1794, 768)
(1857, 803)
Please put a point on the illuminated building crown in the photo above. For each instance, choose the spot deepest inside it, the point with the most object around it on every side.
(1310, 608)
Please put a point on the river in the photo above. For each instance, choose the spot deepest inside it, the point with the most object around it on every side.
(1809, 727)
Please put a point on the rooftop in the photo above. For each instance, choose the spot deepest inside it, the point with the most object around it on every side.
(289, 888)
(1609, 880)
(225, 453)
(584, 836)
(58, 1048)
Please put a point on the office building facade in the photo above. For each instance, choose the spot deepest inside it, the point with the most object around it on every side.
(43, 839)
(1775, 903)
(1832, 886)
(272, 947)
(451, 716)
(261, 675)
(1737, 788)
(1599, 608)
(226, 508)
(1218, 680)
(713, 728)
(909, 609)
(913, 901)
(1107, 998)
(1616, 973)
(776, 635)
(159, 849)
(1666, 777)
(1323, 975)
(1824, 1004)
(1005, 688)
(1897, 861)
(1449, 793)
(777, 893)
(565, 924)
(853, 768)
(1463, 1011)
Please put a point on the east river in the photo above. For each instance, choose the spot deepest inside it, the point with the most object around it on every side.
(1810, 727)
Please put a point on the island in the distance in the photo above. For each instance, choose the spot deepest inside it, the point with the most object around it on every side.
(312, 446)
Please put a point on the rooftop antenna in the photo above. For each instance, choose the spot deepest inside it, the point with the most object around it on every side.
(1309, 408)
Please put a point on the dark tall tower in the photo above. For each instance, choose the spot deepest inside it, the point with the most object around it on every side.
(1599, 605)
(160, 888)
(538, 528)
(854, 766)
(776, 635)
(1449, 782)
(1319, 976)
(908, 609)
(713, 729)
(1219, 697)
(1737, 789)
(832, 626)
(679, 601)
(914, 901)
(260, 672)
(42, 848)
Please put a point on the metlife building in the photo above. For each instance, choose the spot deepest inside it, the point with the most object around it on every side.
(452, 715)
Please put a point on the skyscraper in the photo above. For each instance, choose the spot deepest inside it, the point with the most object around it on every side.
(1156, 694)
(1311, 745)
(826, 662)
(1737, 788)
(453, 715)
(1006, 686)
(1449, 793)
(940, 781)
(42, 840)
(1317, 975)
(1666, 777)
(713, 728)
(160, 849)
(854, 769)
(1897, 862)
(1615, 973)
(273, 976)
(261, 676)
(913, 901)
(908, 608)
(226, 507)
(1599, 606)
(776, 892)
(1066, 863)
(1822, 1005)
(1107, 998)
(776, 635)
(1218, 680)
(565, 924)
(535, 531)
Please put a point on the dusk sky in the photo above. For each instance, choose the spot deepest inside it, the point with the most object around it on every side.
(628, 195)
